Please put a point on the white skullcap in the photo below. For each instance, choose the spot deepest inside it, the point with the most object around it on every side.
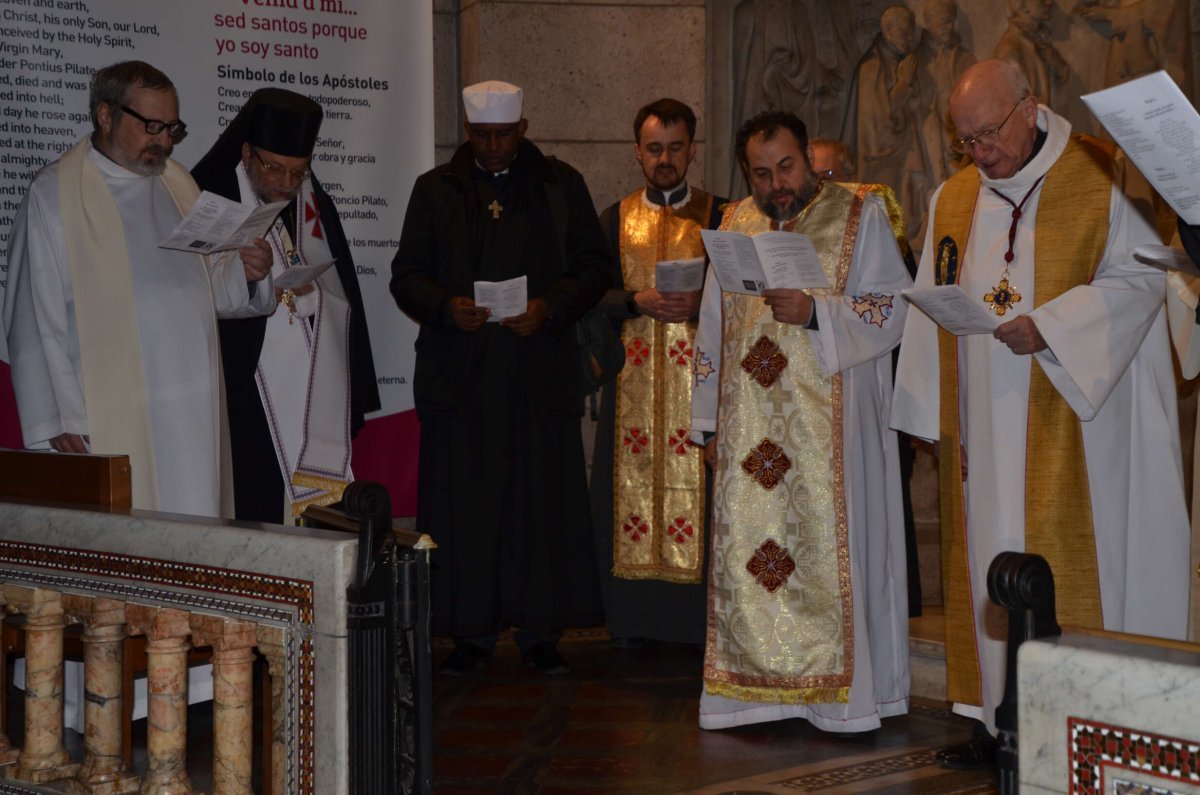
(492, 102)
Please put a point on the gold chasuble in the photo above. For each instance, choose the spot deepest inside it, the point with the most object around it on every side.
(781, 613)
(658, 474)
(1070, 233)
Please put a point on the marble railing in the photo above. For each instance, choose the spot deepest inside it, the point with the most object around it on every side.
(181, 583)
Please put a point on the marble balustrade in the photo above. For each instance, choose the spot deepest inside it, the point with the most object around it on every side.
(181, 583)
(1108, 714)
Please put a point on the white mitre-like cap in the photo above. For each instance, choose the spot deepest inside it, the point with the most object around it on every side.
(492, 102)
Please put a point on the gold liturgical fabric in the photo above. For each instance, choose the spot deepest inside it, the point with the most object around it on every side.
(658, 475)
(1069, 238)
(781, 613)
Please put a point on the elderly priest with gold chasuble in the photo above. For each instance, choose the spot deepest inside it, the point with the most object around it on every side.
(1058, 432)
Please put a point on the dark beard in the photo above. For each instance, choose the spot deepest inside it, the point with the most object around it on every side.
(780, 214)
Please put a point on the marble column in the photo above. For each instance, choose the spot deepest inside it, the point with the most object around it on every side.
(271, 646)
(103, 770)
(44, 758)
(233, 644)
(168, 638)
(8, 754)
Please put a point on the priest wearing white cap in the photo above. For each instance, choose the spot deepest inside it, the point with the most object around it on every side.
(502, 486)
(308, 366)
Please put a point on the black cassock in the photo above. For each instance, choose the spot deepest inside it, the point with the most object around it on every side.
(257, 477)
(502, 484)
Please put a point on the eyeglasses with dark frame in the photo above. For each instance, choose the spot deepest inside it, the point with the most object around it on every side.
(987, 137)
(177, 130)
(279, 171)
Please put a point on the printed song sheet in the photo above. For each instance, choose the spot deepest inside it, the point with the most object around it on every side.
(508, 298)
(1156, 125)
(749, 265)
(219, 224)
(679, 275)
(954, 310)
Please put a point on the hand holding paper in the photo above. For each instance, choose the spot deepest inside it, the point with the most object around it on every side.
(953, 310)
(219, 224)
(508, 298)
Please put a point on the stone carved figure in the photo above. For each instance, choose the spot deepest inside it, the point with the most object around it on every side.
(792, 56)
(1028, 44)
(941, 60)
(1144, 36)
(883, 114)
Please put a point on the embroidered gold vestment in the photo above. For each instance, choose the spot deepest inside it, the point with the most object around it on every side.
(781, 613)
(658, 474)
(1069, 239)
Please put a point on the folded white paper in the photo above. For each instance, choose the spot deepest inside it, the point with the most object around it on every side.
(954, 310)
(1156, 125)
(679, 275)
(508, 298)
(219, 224)
(749, 265)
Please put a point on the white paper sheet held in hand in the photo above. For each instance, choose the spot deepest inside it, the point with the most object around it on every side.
(954, 310)
(1166, 258)
(749, 265)
(679, 275)
(219, 224)
(1156, 125)
(300, 275)
(508, 298)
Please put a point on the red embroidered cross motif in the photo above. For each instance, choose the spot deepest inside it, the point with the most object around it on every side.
(637, 352)
(636, 440)
(681, 530)
(679, 441)
(767, 464)
(635, 528)
(311, 214)
(680, 353)
(771, 565)
(765, 361)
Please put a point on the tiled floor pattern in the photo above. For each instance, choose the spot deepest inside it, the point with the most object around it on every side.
(624, 721)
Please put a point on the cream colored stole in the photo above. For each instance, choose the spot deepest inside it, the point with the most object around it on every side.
(118, 418)
(1069, 239)
(781, 609)
(310, 415)
(658, 474)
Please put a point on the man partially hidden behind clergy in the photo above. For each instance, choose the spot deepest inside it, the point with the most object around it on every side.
(807, 615)
(1058, 432)
(113, 340)
(308, 366)
(648, 480)
(502, 485)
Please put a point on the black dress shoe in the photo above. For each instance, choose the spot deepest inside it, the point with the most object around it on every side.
(465, 660)
(978, 753)
(545, 658)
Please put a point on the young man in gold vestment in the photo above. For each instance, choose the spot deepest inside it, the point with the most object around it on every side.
(1075, 457)
(807, 612)
(648, 479)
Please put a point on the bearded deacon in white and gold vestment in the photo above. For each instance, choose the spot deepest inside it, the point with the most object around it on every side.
(807, 593)
(1059, 432)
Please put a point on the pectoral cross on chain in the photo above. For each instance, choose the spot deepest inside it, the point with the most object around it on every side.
(496, 208)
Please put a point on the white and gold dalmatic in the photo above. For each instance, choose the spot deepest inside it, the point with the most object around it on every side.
(807, 595)
(658, 474)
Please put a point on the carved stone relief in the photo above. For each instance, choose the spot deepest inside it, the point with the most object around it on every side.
(877, 75)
